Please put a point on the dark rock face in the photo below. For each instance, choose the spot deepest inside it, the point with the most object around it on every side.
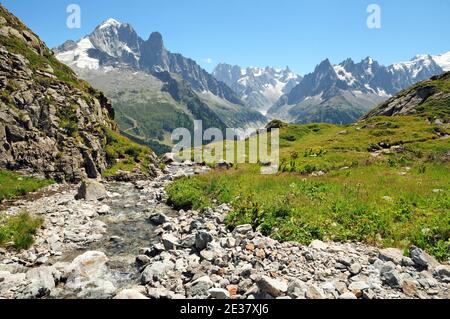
(155, 57)
(111, 37)
(50, 122)
(324, 79)
(154, 54)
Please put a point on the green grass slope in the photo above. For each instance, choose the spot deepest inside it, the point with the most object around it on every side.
(384, 181)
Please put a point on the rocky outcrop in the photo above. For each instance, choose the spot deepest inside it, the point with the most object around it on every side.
(430, 98)
(50, 121)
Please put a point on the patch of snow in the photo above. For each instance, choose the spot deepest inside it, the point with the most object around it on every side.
(343, 75)
(443, 61)
(110, 23)
(382, 93)
(79, 56)
(415, 65)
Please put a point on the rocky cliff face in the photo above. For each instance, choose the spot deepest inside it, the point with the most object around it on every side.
(51, 122)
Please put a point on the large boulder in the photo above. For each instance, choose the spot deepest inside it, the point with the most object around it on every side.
(391, 254)
(202, 239)
(421, 259)
(170, 242)
(88, 276)
(91, 190)
(158, 218)
(43, 282)
(389, 275)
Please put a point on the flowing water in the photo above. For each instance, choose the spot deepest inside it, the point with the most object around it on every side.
(128, 227)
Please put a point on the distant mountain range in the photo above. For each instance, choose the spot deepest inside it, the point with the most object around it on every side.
(258, 87)
(153, 90)
(332, 93)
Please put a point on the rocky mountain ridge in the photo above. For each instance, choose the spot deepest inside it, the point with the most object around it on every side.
(341, 93)
(113, 44)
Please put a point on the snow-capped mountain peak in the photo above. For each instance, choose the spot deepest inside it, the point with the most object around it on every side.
(443, 60)
(110, 23)
(118, 40)
(258, 87)
(78, 55)
(420, 67)
(369, 60)
(116, 45)
(343, 92)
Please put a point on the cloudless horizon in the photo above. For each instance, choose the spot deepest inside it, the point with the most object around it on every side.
(295, 33)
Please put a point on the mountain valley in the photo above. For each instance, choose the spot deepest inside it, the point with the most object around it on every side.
(94, 206)
(143, 78)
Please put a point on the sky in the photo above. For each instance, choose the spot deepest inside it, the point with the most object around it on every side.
(295, 33)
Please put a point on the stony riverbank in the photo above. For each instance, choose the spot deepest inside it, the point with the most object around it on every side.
(125, 242)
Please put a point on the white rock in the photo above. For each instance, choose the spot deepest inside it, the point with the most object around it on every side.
(314, 292)
(347, 295)
(359, 285)
(318, 245)
(355, 269)
(243, 229)
(391, 254)
(130, 294)
(199, 287)
(272, 286)
(156, 271)
(89, 276)
(219, 293)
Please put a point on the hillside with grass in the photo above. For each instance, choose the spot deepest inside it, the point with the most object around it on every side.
(383, 181)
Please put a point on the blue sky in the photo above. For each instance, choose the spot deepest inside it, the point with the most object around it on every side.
(297, 33)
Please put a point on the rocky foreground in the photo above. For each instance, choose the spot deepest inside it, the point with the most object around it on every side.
(192, 254)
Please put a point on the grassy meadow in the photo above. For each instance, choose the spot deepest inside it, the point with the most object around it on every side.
(18, 231)
(384, 182)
